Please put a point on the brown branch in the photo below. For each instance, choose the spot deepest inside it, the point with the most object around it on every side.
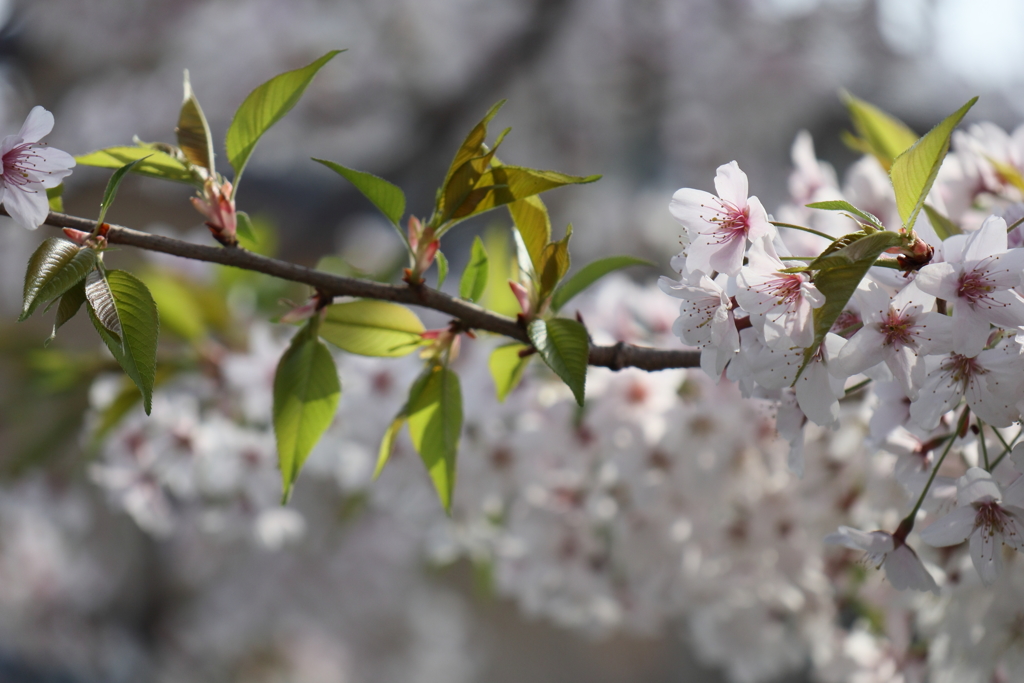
(616, 357)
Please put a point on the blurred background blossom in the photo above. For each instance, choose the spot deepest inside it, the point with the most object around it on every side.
(162, 555)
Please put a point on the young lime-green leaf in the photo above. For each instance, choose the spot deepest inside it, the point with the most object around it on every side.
(244, 229)
(555, 262)
(442, 268)
(55, 266)
(498, 297)
(507, 366)
(471, 147)
(462, 190)
(372, 328)
(942, 226)
(115, 182)
(527, 270)
(306, 393)
(474, 277)
(135, 350)
(856, 247)
(388, 198)
(847, 207)
(503, 185)
(591, 273)
(435, 424)
(531, 219)
(914, 171)
(387, 444)
(180, 313)
(565, 347)
(152, 162)
(55, 198)
(70, 302)
(265, 106)
(193, 131)
(881, 135)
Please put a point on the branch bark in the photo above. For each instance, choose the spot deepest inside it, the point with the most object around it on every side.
(616, 357)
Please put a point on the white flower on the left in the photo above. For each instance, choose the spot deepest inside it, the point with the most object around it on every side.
(28, 168)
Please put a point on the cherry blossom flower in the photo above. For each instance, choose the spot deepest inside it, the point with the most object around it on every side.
(988, 381)
(817, 390)
(28, 168)
(705, 319)
(902, 566)
(898, 331)
(780, 304)
(978, 281)
(987, 517)
(719, 226)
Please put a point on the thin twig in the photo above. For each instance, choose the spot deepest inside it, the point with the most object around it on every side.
(472, 316)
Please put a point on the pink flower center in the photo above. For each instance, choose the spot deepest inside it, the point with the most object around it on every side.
(18, 162)
(730, 222)
(975, 289)
(896, 328)
(991, 518)
(962, 368)
(785, 288)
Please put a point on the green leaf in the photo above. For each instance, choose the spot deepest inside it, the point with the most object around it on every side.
(472, 147)
(565, 347)
(474, 277)
(111, 192)
(193, 131)
(244, 229)
(554, 264)
(507, 366)
(837, 278)
(306, 393)
(503, 185)
(463, 190)
(152, 162)
(101, 302)
(372, 328)
(591, 273)
(135, 350)
(881, 135)
(442, 268)
(847, 207)
(55, 197)
(265, 106)
(70, 302)
(388, 198)
(498, 297)
(534, 225)
(942, 226)
(435, 424)
(54, 268)
(914, 171)
(387, 444)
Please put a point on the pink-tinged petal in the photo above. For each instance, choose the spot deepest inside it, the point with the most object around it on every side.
(913, 299)
(987, 554)
(27, 205)
(728, 258)
(757, 220)
(907, 368)
(861, 352)
(1013, 527)
(7, 144)
(1003, 270)
(934, 333)
(953, 529)
(904, 570)
(939, 280)
(976, 485)
(38, 124)
(812, 294)
(51, 166)
(988, 240)
(997, 408)
(873, 542)
(688, 207)
(952, 249)
(698, 258)
(970, 330)
(1005, 309)
(731, 184)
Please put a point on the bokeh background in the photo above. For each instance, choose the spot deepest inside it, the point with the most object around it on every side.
(653, 94)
